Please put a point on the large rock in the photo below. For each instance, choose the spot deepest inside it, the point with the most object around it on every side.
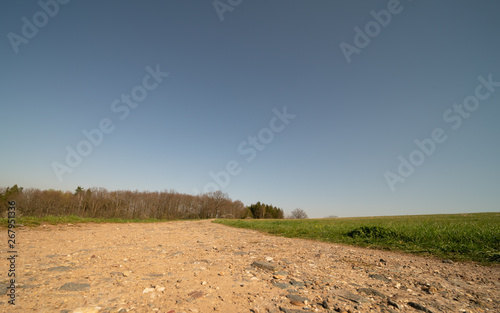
(281, 285)
(380, 277)
(372, 292)
(419, 307)
(297, 298)
(350, 296)
(4, 287)
(60, 269)
(285, 310)
(264, 265)
(75, 287)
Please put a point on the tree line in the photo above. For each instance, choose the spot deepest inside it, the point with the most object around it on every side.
(261, 210)
(101, 203)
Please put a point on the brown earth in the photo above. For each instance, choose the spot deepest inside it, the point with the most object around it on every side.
(198, 266)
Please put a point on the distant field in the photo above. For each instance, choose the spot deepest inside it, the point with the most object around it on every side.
(465, 237)
(72, 219)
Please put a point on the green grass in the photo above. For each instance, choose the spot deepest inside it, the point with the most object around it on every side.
(464, 237)
(73, 219)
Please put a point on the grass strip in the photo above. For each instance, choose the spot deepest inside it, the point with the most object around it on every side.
(459, 237)
(73, 219)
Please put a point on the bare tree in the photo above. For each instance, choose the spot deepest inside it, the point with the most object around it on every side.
(332, 216)
(99, 202)
(298, 213)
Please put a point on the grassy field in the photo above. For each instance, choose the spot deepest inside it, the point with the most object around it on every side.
(72, 219)
(465, 237)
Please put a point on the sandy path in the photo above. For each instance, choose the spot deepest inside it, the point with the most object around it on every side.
(204, 267)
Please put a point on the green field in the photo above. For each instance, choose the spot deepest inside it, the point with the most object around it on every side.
(464, 237)
(72, 219)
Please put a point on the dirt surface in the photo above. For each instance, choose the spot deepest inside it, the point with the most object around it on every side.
(199, 266)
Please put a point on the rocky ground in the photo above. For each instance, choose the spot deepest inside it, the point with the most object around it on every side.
(199, 266)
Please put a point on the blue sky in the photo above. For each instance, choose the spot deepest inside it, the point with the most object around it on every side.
(231, 67)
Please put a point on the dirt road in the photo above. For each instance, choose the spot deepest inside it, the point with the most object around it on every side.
(199, 266)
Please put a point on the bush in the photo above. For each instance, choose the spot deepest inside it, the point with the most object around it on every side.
(371, 232)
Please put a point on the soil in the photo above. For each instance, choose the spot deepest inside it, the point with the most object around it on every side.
(199, 266)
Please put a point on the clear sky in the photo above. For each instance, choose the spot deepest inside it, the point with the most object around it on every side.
(300, 104)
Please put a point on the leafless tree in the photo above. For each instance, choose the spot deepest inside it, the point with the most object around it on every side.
(298, 214)
(99, 202)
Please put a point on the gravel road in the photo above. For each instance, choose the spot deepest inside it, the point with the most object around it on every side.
(199, 266)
